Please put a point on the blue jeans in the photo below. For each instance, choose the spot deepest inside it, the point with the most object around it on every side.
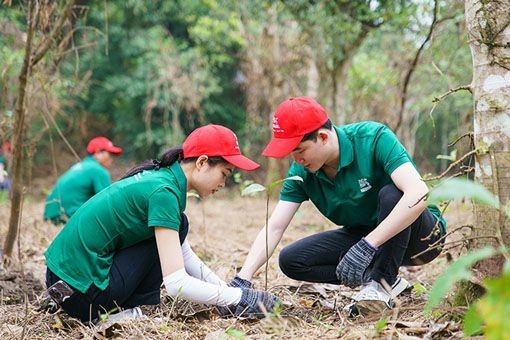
(135, 279)
(314, 258)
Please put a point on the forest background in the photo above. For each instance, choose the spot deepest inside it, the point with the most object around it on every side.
(145, 74)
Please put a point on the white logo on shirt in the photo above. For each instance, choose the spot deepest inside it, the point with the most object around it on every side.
(364, 185)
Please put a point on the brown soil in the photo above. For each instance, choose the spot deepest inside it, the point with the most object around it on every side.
(221, 231)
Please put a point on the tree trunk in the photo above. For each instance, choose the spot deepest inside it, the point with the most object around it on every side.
(489, 35)
(19, 128)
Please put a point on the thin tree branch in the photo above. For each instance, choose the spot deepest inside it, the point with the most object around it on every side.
(413, 66)
(451, 166)
(45, 45)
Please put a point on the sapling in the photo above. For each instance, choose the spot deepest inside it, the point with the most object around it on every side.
(254, 188)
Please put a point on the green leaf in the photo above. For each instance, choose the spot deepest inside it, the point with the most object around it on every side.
(494, 307)
(451, 157)
(192, 194)
(252, 188)
(458, 188)
(457, 271)
(236, 333)
(472, 321)
(292, 178)
(419, 289)
(381, 325)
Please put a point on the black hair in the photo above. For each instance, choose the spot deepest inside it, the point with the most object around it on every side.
(168, 158)
(313, 135)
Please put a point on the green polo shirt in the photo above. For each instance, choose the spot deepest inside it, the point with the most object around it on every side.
(118, 217)
(82, 181)
(369, 153)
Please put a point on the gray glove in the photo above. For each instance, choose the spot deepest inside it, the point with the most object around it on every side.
(352, 266)
(240, 283)
(237, 282)
(251, 301)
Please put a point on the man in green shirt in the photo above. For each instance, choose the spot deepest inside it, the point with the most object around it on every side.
(361, 178)
(82, 181)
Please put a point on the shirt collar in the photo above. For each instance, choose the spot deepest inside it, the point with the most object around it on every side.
(176, 170)
(346, 148)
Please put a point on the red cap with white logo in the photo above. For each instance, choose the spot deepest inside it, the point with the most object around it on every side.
(216, 140)
(292, 120)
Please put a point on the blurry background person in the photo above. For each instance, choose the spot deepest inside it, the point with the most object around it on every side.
(5, 182)
(82, 181)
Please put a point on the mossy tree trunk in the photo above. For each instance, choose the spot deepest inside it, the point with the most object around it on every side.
(488, 25)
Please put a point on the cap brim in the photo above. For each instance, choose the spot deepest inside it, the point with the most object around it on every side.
(115, 150)
(241, 162)
(281, 147)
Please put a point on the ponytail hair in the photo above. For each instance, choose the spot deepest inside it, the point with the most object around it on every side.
(168, 158)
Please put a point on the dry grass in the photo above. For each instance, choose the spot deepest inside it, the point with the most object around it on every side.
(221, 231)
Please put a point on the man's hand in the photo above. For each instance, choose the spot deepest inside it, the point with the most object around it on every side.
(353, 265)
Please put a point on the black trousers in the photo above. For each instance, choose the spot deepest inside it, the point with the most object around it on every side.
(314, 258)
(135, 279)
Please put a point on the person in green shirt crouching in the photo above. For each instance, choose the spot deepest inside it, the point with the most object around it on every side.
(360, 177)
(123, 243)
(82, 181)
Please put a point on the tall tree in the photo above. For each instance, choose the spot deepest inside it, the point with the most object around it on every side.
(488, 25)
(335, 30)
(34, 53)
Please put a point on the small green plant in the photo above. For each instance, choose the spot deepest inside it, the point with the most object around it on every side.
(488, 314)
(235, 333)
(381, 325)
(255, 188)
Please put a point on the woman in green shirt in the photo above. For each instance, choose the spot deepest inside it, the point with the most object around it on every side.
(119, 247)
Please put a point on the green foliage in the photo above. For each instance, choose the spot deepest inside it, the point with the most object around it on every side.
(458, 270)
(380, 325)
(419, 289)
(472, 321)
(256, 187)
(460, 188)
(235, 333)
(494, 308)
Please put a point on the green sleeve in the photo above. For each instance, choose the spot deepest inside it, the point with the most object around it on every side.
(164, 209)
(389, 152)
(293, 191)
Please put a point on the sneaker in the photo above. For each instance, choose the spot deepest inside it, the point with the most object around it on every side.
(401, 285)
(373, 298)
(125, 315)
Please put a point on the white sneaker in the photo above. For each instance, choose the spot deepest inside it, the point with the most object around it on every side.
(125, 315)
(373, 298)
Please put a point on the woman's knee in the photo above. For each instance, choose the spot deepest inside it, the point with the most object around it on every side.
(289, 261)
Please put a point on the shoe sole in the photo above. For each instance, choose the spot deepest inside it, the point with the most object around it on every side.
(400, 286)
(367, 307)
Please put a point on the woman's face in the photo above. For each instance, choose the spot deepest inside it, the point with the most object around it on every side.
(210, 178)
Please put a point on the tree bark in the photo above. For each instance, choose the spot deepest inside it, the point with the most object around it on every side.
(489, 36)
(19, 128)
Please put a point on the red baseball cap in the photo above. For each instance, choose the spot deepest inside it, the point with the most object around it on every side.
(293, 119)
(216, 140)
(102, 143)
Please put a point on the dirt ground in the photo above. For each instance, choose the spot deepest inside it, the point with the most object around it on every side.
(221, 231)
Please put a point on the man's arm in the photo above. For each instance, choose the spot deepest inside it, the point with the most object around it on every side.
(277, 224)
(407, 210)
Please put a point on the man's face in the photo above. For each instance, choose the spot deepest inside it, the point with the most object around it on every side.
(104, 158)
(310, 154)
